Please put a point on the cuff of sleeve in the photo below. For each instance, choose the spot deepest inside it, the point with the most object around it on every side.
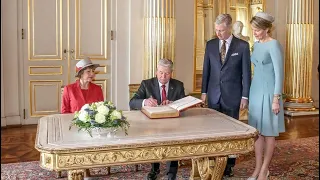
(143, 103)
(244, 97)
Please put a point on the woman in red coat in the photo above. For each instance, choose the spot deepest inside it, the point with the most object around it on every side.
(83, 91)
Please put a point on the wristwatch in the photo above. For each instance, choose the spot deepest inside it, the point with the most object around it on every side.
(277, 97)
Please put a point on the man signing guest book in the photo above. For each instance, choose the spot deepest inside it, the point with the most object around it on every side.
(160, 90)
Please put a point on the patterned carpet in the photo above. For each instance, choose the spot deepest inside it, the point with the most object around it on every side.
(293, 159)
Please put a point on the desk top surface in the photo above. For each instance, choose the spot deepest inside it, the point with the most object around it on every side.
(194, 125)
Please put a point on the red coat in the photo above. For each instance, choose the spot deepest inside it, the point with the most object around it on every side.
(73, 98)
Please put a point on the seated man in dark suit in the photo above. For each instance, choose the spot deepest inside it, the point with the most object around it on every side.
(160, 90)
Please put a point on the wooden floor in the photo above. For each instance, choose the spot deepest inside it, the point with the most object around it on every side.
(17, 144)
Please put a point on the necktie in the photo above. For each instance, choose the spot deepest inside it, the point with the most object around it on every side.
(223, 52)
(163, 94)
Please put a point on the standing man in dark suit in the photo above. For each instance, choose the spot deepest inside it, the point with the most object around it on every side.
(226, 74)
(160, 90)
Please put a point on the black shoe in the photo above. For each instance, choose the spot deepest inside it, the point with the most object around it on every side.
(153, 175)
(228, 171)
(172, 176)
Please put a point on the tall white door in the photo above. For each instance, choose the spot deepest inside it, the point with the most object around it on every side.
(58, 33)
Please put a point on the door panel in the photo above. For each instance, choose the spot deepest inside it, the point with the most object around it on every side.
(59, 34)
(89, 32)
(45, 30)
(91, 29)
(39, 90)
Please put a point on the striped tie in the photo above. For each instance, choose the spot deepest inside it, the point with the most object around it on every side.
(223, 52)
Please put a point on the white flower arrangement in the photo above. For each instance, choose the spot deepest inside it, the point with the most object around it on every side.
(99, 115)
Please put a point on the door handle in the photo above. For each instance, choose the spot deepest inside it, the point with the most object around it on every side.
(65, 51)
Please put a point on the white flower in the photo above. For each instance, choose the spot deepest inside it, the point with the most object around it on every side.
(116, 114)
(84, 116)
(103, 110)
(99, 103)
(86, 106)
(100, 118)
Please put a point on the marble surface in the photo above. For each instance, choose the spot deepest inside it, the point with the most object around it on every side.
(196, 124)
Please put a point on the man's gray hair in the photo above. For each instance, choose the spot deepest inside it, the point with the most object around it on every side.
(224, 18)
(165, 63)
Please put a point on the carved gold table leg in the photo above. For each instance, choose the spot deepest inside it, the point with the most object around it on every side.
(200, 169)
(76, 174)
(219, 166)
(208, 168)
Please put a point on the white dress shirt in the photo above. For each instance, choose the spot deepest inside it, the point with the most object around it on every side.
(228, 42)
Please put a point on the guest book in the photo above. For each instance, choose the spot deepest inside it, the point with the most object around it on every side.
(171, 110)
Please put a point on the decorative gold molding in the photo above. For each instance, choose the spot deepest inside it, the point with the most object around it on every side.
(103, 84)
(252, 2)
(32, 56)
(103, 55)
(32, 100)
(31, 73)
(159, 33)
(104, 67)
(299, 54)
(76, 159)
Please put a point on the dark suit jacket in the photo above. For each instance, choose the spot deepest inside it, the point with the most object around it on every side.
(150, 87)
(231, 80)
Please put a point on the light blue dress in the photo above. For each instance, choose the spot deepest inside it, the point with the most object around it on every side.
(267, 80)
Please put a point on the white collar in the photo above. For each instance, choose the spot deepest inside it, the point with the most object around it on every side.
(167, 84)
(227, 40)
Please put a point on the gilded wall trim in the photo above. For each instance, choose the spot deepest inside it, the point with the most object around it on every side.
(159, 33)
(299, 54)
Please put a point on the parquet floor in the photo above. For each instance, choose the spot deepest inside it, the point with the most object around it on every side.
(17, 144)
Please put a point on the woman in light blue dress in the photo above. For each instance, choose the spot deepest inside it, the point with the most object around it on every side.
(265, 105)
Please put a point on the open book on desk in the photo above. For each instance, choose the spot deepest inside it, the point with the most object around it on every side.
(171, 110)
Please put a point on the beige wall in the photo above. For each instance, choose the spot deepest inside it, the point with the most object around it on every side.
(10, 105)
(184, 43)
(136, 41)
(120, 48)
(315, 80)
(3, 121)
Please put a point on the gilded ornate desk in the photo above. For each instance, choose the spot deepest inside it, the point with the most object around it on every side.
(203, 135)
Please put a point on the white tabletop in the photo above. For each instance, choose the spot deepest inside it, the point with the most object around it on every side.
(196, 124)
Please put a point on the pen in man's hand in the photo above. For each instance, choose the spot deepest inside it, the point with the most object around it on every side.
(153, 98)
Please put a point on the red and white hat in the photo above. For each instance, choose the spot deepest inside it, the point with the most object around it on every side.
(86, 62)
